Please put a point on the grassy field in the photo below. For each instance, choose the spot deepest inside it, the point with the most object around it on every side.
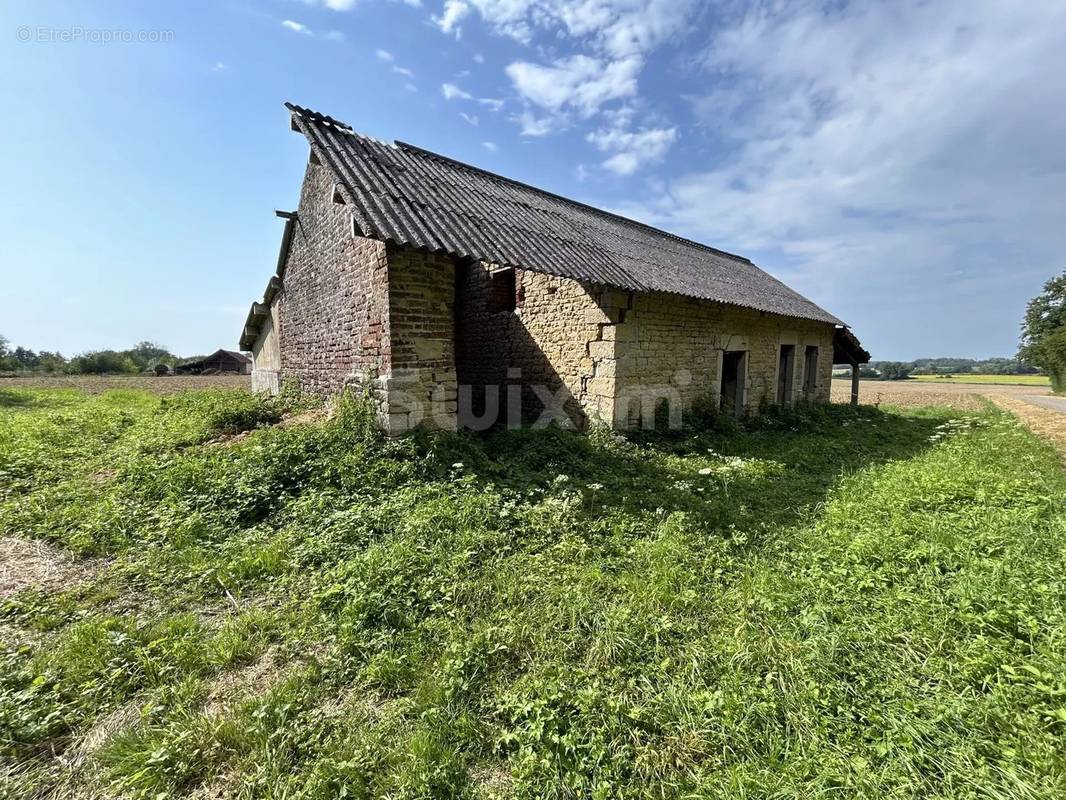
(838, 602)
(1005, 380)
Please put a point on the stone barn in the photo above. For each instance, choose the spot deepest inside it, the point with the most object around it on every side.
(460, 298)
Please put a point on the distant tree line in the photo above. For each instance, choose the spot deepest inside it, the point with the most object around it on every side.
(901, 370)
(1044, 332)
(142, 357)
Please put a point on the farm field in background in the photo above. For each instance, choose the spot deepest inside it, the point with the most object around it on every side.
(1015, 380)
(916, 394)
(95, 384)
(201, 602)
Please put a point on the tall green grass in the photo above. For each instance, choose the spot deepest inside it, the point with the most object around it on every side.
(841, 602)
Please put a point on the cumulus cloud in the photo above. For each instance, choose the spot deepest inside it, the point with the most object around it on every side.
(453, 13)
(453, 92)
(383, 55)
(631, 150)
(402, 71)
(580, 83)
(492, 103)
(490, 146)
(532, 125)
(867, 148)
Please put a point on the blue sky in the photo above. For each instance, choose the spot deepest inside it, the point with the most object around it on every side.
(902, 163)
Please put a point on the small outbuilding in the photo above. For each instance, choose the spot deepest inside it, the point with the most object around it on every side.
(219, 362)
(457, 297)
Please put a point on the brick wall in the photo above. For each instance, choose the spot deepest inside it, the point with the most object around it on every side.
(334, 326)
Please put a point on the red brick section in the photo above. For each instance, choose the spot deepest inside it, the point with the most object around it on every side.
(334, 311)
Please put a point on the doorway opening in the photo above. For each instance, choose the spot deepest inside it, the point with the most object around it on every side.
(733, 369)
(785, 368)
(810, 372)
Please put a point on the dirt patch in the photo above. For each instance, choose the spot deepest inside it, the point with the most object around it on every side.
(308, 417)
(491, 781)
(1042, 421)
(963, 396)
(29, 564)
(236, 685)
(125, 716)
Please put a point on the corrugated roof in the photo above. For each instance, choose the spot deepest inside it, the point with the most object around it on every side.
(413, 197)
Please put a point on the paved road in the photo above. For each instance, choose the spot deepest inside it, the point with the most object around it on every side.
(1047, 401)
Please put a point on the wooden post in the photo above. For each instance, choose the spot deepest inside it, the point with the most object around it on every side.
(854, 384)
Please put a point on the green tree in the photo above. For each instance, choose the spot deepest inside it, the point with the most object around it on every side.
(1044, 332)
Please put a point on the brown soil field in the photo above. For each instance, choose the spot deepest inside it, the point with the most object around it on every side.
(96, 384)
(920, 393)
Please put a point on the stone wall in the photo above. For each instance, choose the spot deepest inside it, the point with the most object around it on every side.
(413, 326)
(421, 386)
(334, 308)
(546, 353)
(671, 347)
(266, 354)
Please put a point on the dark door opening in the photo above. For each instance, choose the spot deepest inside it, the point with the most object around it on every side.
(785, 366)
(810, 372)
(732, 399)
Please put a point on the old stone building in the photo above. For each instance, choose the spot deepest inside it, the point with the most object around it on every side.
(457, 297)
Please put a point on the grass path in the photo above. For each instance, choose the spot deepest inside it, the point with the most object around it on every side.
(848, 602)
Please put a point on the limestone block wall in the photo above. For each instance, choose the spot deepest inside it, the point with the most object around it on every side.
(421, 387)
(555, 344)
(672, 346)
(266, 355)
(334, 303)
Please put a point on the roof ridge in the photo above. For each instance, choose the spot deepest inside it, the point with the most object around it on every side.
(628, 220)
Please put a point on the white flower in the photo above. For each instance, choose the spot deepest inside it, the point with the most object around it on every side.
(595, 486)
(706, 471)
(457, 465)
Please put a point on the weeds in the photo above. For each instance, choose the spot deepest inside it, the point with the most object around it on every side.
(836, 601)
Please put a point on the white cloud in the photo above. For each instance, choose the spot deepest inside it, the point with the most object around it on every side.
(410, 87)
(334, 36)
(480, 59)
(537, 126)
(402, 71)
(490, 146)
(451, 16)
(339, 5)
(630, 150)
(453, 92)
(219, 66)
(296, 27)
(871, 148)
(491, 103)
(618, 28)
(471, 118)
(383, 55)
(579, 82)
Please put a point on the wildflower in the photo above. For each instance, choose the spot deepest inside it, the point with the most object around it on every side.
(706, 471)
(457, 465)
(560, 478)
(595, 486)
